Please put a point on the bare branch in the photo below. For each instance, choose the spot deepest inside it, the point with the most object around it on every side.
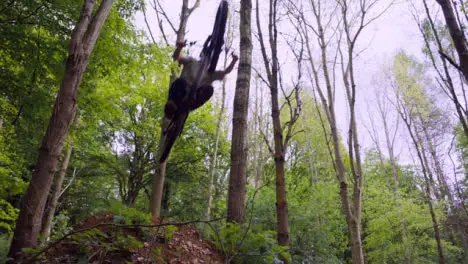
(454, 64)
(148, 26)
(159, 9)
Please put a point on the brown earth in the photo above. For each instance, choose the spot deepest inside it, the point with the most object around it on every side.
(155, 245)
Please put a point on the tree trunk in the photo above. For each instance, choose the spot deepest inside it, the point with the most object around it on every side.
(281, 201)
(214, 158)
(82, 42)
(134, 187)
(137, 171)
(279, 150)
(54, 196)
(157, 190)
(351, 207)
(258, 129)
(427, 185)
(456, 34)
(160, 172)
(460, 46)
(166, 199)
(237, 179)
(391, 154)
(423, 155)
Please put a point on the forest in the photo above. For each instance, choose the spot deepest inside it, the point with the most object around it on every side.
(340, 136)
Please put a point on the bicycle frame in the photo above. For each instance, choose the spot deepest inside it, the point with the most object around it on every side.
(211, 46)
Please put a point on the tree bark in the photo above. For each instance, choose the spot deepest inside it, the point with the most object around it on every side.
(138, 163)
(54, 196)
(214, 157)
(157, 190)
(408, 120)
(456, 34)
(82, 42)
(461, 112)
(258, 115)
(427, 189)
(237, 178)
(272, 71)
(351, 207)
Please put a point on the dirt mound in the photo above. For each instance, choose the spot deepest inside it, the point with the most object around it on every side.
(187, 247)
(112, 243)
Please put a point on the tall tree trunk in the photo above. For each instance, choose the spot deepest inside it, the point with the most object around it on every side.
(391, 153)
(460, 46)
(458, 38)
(351, 206)
(423, 153)
(271, 68)
(281, 201)
(427, 188)
(258, 130)
(134, 186)
(55, 195)
(237, 179)
(82, 42)
(138, 163)
(157, 190)
(214, 157)
(160, 170)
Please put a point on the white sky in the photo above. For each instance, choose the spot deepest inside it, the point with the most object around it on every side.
(394, 31)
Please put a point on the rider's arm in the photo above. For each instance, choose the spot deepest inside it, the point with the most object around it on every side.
(219, 75)
(231, 65)
(176, 56)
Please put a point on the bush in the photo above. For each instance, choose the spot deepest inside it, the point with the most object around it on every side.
(4, 246)
(60, 225)
(126, 215)
(8, 215)
(243, 245)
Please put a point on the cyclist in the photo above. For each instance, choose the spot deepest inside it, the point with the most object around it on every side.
(180, 88)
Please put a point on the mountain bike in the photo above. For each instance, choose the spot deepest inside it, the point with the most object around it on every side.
(209, 60)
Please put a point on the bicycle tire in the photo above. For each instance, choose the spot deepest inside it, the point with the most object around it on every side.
(217, 37)
(172, 134)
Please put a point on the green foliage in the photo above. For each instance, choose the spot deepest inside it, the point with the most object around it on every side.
(398, 227)
(8, 215)
(60, 225)
(10, 169)
(97, 242)
(243, 245)
(4, 247)
(169, 231)
(120, 103)
(128, 215)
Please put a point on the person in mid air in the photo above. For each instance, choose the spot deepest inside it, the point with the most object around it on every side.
(180, 88)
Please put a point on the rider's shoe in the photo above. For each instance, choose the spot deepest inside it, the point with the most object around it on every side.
(170, 109)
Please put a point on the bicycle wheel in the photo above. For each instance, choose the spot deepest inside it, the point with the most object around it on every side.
(217, 37)
(172, 134)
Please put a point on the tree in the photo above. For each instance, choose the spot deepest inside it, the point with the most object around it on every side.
(82, 42)
(454, 26)
(346, 30)
(412, 103)
(230, 34)
(237, 179)
(293, 103)
(55, 195)
(440, 49)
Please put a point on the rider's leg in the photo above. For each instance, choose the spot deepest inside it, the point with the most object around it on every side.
(204, 94)
(177, 92)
